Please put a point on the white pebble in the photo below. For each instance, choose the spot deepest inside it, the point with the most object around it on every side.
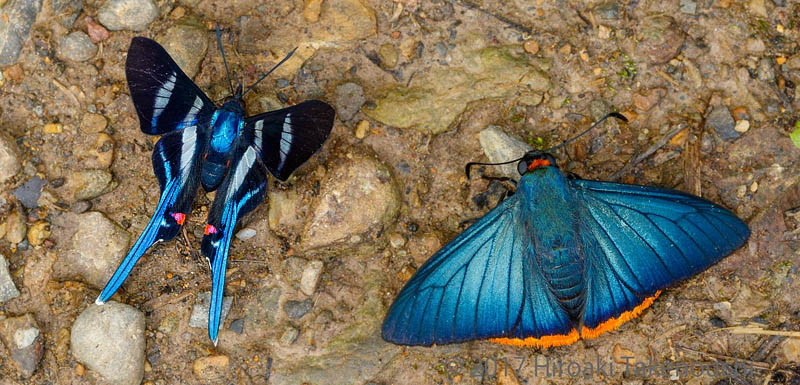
(310, 277)
(245, 233)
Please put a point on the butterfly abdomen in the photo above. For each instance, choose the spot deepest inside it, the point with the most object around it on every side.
(226, 126)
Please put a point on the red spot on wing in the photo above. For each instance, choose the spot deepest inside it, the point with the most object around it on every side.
(210, 229)
(538, 163)
(179, 217)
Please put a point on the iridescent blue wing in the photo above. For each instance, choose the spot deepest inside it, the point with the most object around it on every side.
(286, 138)
(483, 284)
(165, 98)
(176, 163)
(243, 188)
(642, 239)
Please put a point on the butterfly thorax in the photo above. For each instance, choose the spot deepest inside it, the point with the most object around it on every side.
(226, 124)
(554, 224)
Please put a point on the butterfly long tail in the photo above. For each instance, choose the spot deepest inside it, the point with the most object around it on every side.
(215, 247)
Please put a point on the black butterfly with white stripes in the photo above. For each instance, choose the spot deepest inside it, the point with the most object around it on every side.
(216, 147)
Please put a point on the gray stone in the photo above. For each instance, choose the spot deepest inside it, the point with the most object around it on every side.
(199, 317)
(689, 6)
(289, 336)
(659, 39)
(187, 44)
(348, 99)
(297, 309)
(7, 288)
(310, 277)
(109, 339)
(245, 233)
(67, 11)
(765, 71)
(15, 28)
(28, 194)
(76, 47)
(88, 184)
(237, 326)
(721, 121)
(9, 155)
(22, 339)
(132, 15)
(501, 147)
(97, 247)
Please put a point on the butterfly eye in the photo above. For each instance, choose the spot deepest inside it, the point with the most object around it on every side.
(522, 166)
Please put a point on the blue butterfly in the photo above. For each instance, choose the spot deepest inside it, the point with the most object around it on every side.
(561, 259)
(216, 147)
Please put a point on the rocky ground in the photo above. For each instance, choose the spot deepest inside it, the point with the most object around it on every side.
(420, 89)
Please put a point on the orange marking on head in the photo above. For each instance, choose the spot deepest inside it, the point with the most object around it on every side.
(179, 217)
(538, 163)
(210, 229)
(614, 323)
(541, 342)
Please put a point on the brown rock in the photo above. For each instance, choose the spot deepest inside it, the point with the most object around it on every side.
(660, 39)
(212, 367)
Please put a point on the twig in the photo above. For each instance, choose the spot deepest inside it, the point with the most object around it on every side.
(66, 90)
(165, 300)
(503, 19)
(644, 155)
(759, 331)
(755, 364)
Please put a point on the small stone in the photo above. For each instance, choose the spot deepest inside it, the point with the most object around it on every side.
(289, 336)
(310, 277)
(77, 46)
(755, 45)
(361, 129)
(348, 99)
(740, 113)
(754, 187)
(88, 184)
(765, 71)
(500, 147)
(177, 13)
(645, 100)
(311, 9)
(245, 233)
(28, 194)
(67, 11)
(53, 128)
(15, 227)
(80, 206)
(15, 28)
(131, 15)
(187, 45)
(96, 32)
(9, 157)
(622, 355)
(297, 309)
(96, 264)
(199, 317)
(791, 349)
(688, 6)
(109, 339)
(742, 126)
(608, 10)
(396, 240)
(38, 233)
(758, 7)
(93, 123)
(409, 48)
(721, 121)
(388, 55)
(103, 151)
(722, 306)
(530, 99)
(80, 370)
(659, 39)
(211, 368)
(7, 288)
(237, 326)
(531, 47)
(22, 338)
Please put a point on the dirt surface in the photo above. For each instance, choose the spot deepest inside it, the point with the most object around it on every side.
(708, 87)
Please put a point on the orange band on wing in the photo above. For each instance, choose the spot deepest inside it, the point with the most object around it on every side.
(536, 163)
(614, 323)
(541, 342)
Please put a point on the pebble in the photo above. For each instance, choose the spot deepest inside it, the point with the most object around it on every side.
(93, 123)
(409, 48)
(721, 121)
(765, 71)
(740, 113)
(67, 11)
(15, 227)
(758, 7)
(53, 128)
(688, 6)
(622, 355)
(245, 233)
(103, 150)
(237, 326)
(500, 147)
(311, 9)
(742, 126)
(755, 45)
(38, 233)
(297, 309)
(187, 45)
(396, 240)
(361, 129)
(348, 99)
(388, 55)
(531, 47)
(28, 193)
(310, 277)
(9, 158)
(109, 339)
(76, 46)
(358, 195)
(791, 349)
(289, 336)
(23, 340)
(96, 32)
(88, 184)
(7, 288)
(199, 317)
(659, 39)
(93, 265)
(211, 368)
(608, 10)
(15, 28)
(131, 15)
(80, 207)
(645, 100)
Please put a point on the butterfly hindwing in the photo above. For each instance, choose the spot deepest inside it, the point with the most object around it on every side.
(286, 138)
(483, 284)
(642, 239)
(243, 188)
(164, 97)
(176, 163)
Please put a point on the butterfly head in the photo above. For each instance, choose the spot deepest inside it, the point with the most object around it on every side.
(235, 102)
(533, 160)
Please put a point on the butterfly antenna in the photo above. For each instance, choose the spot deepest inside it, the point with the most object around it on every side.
(584, 132)
(470, 164)
(288, 55)
(224, 61)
